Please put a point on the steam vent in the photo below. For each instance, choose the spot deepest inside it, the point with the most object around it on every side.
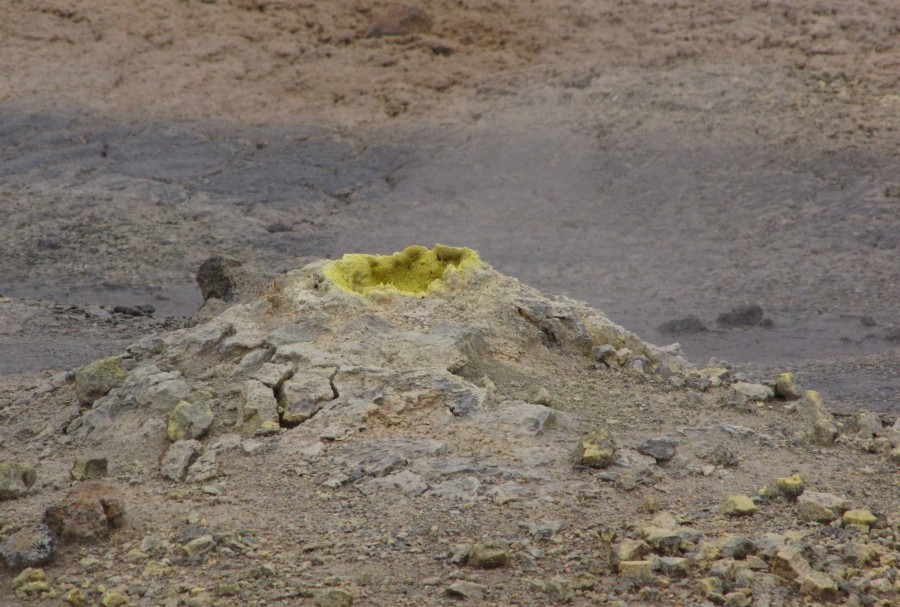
(418, 428)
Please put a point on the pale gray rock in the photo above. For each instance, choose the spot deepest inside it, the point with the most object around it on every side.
(406, 482)
(274, 374)
(205, 468)
(525, 419)
(466, 590)
(258, 406)
(463, 489)
(178, 458)
(864, 421)
(823, 429)
(755, 392)
(15, 479)
(189, 420)
(304, 395)
(820, 507)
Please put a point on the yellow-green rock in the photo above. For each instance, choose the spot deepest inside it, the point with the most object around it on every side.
(114, 598)
(637, 570)
(711, 586)
(787, 386)
(860, 517)
(789, 487)
(596, 450)
(819, 585)
(334, 597)
(98, 378)
(88, 468)
(488, 555)
(33, 588)
(27, 576)
(74, 597)
(189, 420)
(15, 479)
(738, 505)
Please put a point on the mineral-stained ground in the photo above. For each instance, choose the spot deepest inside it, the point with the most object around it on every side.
(724, 175)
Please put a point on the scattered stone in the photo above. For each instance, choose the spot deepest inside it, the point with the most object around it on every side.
(75, 598)
(672, 566)
(787, 487)
(88, 513)
(688, 325)
(755, 392)
(89, 468)
(787, 386)
(28, 547)
(303, 395)
(818, 585)
(400, 21)
(812, 410)
(719, 455)
(206, 468)
(748, 315)
(333, 597)
(189, 420)
(893, 335)
(820, 507)
(466, 590)
(543, 530)
(178, 459)
(736, 547)
(738, 505)
(28, 576)
(736, 599)
(15, 479)
(407, 482)
(789, 563)
(660, 448)
(863, 422)
(629, 550)
(215, 277)
(98, 378)
(488, 555)
(199, 546)
(114, 598)
(859, 517)
(639, 571)
(605, 354)
(258, 406)
(596, 450)
(712, 587)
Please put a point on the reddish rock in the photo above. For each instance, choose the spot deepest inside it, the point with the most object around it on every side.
(87, 513)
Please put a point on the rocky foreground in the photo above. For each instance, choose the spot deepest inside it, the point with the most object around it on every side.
(419, 429)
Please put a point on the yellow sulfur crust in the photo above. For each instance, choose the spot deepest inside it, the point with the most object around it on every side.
(413, 271)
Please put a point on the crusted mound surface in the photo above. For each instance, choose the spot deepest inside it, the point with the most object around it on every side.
(409, 428)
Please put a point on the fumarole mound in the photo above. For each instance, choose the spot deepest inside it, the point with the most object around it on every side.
(419, 429)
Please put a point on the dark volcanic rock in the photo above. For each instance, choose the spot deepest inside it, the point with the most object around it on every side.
(87, 513)
(682, 326)
(747, 315)
(215, 277)
(31, 546)
(401, 21)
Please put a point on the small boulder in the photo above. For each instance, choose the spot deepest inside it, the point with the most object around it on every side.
(824, 430)
(738, 505)
(30, 546)
(488, 555)
(789, 563)
(820, 507)
(333, 597)
(15, 479)
(189, 420)
(864, 421)
(688, 325)
(206, 468)
(859, 517)
(87, 513)
(596, 450)
(787, 386)
(757, 392)
(466, 590)
(787, 487)
(215, 277)
(748, 315)
(258, 407)
(818, 585)
(661, 448)
(89, 468)
(98, 378)
(178, 458)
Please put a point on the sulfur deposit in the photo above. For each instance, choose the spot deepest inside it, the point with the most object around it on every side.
(405, 428)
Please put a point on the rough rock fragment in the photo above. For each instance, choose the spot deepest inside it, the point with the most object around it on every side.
(189, 420)
(811, 408)
(596, 450)
(688, 325)
(859, 517)
(738, 505)
(89, 468)
(15, 479)
(819, 585)
(30, 546)
(178, 458)
(401, 21)
(98, 378)
(206, 468)
(303, 395)
(747, 315)
(788, 487)
(787, 386)
(258, 406)
(820, 507)
(789, 563)
(215, 278)
(87, 513)
(466, 590)
(757, 392)
(488, 555)
(661, 448)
